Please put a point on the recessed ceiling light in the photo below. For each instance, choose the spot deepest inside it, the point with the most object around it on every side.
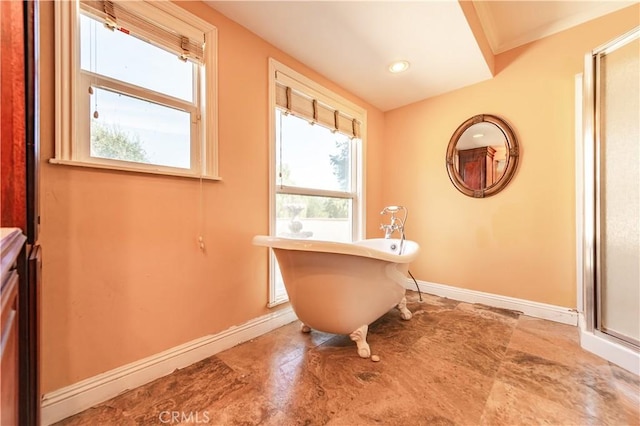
(478, 135)
(399, 66)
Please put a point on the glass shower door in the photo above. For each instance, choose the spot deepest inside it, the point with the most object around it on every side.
(617, 122)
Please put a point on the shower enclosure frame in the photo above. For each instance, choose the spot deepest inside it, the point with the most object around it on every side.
(590, 262)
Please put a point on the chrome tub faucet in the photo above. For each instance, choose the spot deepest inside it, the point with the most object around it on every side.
(397, 224)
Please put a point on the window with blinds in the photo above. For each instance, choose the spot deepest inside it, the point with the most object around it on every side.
(144, 87)
(309, 108)
(155, 27)
(317, 176)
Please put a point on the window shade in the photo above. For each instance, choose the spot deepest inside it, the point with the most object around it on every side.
(159, 29)
(316, 111)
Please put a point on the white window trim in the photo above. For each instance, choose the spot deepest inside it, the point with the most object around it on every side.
(67, 59)
(306, 85)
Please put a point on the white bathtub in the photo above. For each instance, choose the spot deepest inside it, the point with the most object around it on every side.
(341, 288)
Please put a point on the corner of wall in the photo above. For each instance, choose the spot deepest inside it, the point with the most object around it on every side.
(479, 34)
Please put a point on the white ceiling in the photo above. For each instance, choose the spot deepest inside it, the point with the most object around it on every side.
(353, 42)
(509, 24)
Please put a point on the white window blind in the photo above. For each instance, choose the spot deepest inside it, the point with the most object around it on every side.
(314, 110)
(158, 29)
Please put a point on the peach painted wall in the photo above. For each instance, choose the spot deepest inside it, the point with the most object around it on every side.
(123, 277)
(520, 242)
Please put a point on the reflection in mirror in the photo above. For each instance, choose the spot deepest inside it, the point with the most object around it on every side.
(482, 156)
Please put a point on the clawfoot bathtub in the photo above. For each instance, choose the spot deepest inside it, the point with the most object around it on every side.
(341, 288)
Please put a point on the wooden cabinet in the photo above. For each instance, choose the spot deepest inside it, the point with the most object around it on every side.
(9, 352)
(19, 214)
(476, 167)
(12, 246)
(29, 332)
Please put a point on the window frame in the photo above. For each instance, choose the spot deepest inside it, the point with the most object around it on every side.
(357, 194)
(72, 120)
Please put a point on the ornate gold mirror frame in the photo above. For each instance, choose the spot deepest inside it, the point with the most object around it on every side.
(489, 158)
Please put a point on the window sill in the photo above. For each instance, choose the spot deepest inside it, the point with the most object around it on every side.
(130, 169)
(280, 301)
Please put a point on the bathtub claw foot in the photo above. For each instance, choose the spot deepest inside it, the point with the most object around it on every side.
(405, 313)
(305, 328)
(360, 337)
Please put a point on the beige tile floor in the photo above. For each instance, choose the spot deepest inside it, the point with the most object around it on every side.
(453, 363)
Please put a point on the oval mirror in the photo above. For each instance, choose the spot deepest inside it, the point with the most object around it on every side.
(482, 156)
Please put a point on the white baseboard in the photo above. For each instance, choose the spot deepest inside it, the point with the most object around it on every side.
(527, 307)
(80, 396)
(608, 349)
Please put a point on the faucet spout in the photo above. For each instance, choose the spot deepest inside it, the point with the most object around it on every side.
(396, 224)
(388, 230)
